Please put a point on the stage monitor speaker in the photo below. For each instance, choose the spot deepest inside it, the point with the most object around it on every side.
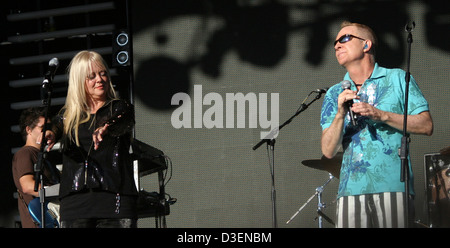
(121, 55)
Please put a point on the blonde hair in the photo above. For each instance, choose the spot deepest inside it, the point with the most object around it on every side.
(76, 109)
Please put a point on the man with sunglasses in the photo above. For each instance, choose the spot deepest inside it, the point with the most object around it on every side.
(370, 192)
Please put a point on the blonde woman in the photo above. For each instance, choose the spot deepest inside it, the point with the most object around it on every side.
(97, 186)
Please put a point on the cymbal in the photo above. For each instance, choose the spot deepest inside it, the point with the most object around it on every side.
(332, 166)
(445, 151)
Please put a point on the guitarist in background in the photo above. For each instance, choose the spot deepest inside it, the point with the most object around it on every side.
(31, 122)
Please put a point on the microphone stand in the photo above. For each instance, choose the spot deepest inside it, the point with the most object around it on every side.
(271, 150)
(404, 149)
(42, 155)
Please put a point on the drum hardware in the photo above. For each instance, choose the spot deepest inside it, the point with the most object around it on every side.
(332, 166)
(437, 188)
(419, 224)
(320, 205)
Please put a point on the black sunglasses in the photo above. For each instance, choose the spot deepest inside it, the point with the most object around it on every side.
(345, 38)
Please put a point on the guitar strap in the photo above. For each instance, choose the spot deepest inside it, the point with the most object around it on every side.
(26, 205)
(21, 197)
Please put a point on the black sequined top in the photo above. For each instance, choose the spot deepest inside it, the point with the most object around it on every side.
(108, 168)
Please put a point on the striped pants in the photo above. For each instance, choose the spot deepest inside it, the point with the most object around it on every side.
(372, 211)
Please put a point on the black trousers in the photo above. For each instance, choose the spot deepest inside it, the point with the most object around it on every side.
(99, 223)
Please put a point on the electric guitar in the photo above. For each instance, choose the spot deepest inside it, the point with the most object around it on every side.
(51, 215)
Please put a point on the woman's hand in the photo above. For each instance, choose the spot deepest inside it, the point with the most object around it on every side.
(97, 136)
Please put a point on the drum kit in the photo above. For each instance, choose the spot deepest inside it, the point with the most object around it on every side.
(333, 167)
(437, 185)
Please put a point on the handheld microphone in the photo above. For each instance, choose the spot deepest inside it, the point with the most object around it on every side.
(347, 85)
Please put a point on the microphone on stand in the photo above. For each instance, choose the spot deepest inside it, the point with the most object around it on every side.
(409, 27)
(347, 85)
(53, 65)
(324, 90)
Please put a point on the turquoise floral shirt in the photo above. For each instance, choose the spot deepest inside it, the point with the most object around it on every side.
(371, 163)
